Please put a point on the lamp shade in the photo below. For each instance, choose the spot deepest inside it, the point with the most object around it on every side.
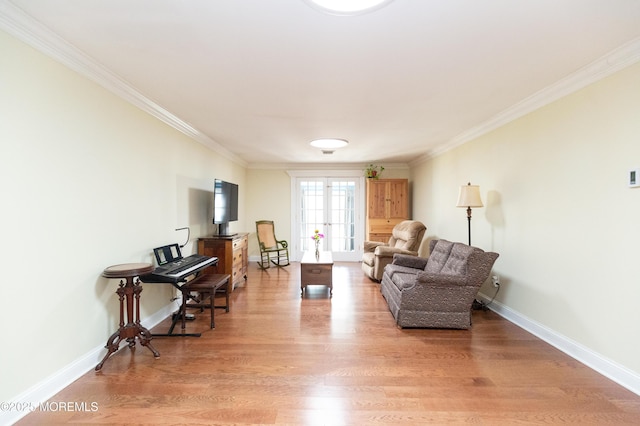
(469, 196)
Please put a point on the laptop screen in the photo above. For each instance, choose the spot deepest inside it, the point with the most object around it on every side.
(166, 254)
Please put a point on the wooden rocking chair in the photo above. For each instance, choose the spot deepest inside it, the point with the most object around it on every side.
(270, 246)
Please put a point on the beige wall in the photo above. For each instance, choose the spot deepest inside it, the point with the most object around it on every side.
(268, 198)
(88, 181)
(559, 212)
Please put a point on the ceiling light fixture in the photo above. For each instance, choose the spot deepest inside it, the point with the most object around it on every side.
(347, 7)
(328, 145)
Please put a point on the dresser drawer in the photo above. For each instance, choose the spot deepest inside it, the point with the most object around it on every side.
(239, 243)
(237, 258)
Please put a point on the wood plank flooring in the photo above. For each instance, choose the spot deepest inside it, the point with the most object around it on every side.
(277, 358)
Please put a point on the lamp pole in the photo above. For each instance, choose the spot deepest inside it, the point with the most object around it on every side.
(469, 222)
(469, 196)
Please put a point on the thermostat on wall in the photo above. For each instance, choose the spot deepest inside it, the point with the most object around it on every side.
(634, 178)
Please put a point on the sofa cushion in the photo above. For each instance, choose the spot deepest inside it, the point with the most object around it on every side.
(391, 269)
(457, 262)
(403, 280)
(438, 257)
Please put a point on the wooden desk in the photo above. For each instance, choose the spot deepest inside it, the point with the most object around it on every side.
(129, 289)
(316, 270)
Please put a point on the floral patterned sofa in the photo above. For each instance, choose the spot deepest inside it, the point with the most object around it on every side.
(438, 291)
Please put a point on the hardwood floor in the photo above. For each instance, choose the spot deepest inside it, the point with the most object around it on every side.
(277, 358)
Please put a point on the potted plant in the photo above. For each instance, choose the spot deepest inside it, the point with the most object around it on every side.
(373, 172)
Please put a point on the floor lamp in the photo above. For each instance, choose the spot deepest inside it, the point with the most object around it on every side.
(469, 196)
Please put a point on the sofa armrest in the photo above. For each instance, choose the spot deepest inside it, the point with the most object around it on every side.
(370, 246)
(386, 251)
(410, 261)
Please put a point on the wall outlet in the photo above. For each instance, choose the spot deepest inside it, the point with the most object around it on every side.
(634, 178)
(495, 280)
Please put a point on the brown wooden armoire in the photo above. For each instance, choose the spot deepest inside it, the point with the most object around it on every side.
(387, 205)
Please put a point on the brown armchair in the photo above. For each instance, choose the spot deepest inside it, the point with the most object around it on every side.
(405, 238)
(437, 292)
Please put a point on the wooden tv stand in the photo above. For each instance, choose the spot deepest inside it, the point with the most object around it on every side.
(232, 253)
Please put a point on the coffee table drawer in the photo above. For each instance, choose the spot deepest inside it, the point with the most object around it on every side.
(316, 274)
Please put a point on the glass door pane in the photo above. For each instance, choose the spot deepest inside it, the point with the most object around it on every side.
(312, 212)
(342, 215)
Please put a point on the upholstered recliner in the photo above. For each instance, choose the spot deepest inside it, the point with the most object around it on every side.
(437, 292)
(405, 238)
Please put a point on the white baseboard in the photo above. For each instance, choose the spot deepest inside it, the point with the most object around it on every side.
(53, 384)
(608, 368)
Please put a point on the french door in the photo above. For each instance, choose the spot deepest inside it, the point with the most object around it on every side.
(333, 206)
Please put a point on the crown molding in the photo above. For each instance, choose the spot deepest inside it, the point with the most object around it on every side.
(25, 28)
(614, 61)
(323, 166)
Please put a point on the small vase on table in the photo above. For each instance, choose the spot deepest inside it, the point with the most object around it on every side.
(316, 239)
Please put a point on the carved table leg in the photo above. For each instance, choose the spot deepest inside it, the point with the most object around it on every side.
(129, 290)
(142, 333)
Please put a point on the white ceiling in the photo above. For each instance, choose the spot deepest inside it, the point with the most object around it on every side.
(262, 78)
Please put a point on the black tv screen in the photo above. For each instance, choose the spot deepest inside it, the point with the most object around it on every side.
(225, 202)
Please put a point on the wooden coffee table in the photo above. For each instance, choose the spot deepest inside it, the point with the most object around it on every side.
(316, 270)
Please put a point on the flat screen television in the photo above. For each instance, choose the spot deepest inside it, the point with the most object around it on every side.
(225, 205)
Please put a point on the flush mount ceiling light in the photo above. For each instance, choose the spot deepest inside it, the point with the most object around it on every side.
(347, 7)
(328, 145)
